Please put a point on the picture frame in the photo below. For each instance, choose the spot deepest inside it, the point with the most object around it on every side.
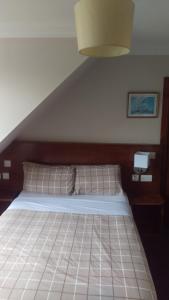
(143, 105)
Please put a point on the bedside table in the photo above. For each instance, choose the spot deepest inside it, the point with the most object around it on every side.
(148, 210)
(5, 201)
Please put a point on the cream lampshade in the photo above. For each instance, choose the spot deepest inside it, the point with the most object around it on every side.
(141, 162)
(104, 27)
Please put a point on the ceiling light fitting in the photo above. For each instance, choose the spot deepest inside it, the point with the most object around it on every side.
(104, 27)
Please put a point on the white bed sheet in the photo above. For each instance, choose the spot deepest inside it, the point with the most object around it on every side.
(104, 205)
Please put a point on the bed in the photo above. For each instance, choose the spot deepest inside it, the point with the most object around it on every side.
(72, 247)
(70, 235)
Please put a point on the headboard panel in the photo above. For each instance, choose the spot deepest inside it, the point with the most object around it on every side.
(79, 153)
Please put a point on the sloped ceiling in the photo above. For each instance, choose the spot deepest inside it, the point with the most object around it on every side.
(64, 88)
(30, 69)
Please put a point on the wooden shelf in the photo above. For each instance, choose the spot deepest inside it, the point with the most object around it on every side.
(149, 199)
(6, 199)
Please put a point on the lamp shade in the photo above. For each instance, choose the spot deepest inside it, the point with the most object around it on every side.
(104, 27)
(141, 160)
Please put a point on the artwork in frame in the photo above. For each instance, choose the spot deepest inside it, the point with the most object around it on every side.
(143, 105)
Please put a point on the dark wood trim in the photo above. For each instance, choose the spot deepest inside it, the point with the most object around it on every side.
(165, 150)
(165, 140)
(79, 153)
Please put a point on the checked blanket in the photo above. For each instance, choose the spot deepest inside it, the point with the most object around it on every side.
(50, 256)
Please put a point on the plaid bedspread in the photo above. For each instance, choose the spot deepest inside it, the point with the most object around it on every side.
(50, 256)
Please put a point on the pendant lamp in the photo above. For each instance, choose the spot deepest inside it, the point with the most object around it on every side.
(104, 27)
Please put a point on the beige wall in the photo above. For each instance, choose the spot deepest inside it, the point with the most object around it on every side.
(93, 108)
(30, 69)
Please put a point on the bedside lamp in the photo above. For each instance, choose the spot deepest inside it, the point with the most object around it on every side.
(141, 162)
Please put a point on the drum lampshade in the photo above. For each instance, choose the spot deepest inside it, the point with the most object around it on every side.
(104, 27)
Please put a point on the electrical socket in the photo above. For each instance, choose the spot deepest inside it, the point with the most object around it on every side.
(146, 178)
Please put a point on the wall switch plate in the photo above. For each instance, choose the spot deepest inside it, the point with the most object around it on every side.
(152, 155)
(135, 177)
(5, 176)
(146, 178)
(7, 163)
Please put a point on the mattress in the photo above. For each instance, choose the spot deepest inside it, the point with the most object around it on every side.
(72, 248)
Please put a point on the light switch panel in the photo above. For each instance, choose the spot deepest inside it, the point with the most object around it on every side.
(135, 177)
(7, 163)
(5, 176)
(152, 155)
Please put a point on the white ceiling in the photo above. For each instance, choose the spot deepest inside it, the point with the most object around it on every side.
(55, 18)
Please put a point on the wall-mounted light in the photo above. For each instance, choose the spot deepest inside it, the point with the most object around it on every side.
(141, 162)
(104, 27)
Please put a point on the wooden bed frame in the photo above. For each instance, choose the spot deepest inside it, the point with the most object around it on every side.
(79, 153)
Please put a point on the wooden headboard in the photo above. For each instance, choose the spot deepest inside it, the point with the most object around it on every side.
(79, 153)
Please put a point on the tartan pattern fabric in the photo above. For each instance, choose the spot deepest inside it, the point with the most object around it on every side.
(98, 180)
(56, 180)
(54, 256)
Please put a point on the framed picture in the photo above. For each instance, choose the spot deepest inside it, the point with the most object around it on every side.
(143, 105)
